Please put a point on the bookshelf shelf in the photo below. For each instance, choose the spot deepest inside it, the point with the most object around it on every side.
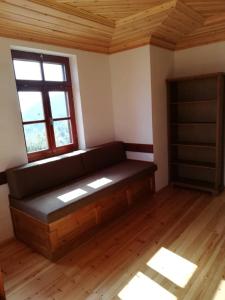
(197, 164)
(193, 102)
(193, 123)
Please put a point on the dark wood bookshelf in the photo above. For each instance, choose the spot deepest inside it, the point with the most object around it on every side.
(196, 131)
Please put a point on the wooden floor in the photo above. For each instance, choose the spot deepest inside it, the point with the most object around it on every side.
(171, 247)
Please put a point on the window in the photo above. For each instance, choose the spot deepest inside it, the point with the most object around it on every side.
(46, 103)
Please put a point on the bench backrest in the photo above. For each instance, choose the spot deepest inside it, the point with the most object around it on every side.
(39, 176)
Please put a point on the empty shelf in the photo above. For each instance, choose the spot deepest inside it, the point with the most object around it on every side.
(197, 184)
(207, 165)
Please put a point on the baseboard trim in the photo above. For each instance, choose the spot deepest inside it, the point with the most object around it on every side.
(143, 148)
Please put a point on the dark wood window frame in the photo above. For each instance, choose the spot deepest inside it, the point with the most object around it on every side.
(45, 87)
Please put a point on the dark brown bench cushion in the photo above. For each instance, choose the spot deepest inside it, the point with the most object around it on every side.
(48, 207)
(36, 177)
(103, 156)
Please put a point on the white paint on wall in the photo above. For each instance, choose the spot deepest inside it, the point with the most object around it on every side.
(131, 94)
(140, 156)
(200, 60)
(161, 69)
(138, 79)
(96, 98)
(12, 149)
(77, 103)
(12, 146)
(95, 104)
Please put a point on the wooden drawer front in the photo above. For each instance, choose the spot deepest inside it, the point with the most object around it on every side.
(69, 228)
(86, 218)
(31, 231)
(35, 227)
(138, 189)
(112, 206)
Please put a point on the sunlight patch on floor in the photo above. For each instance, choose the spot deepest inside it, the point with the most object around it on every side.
(220, 292)
(172, 266)
(141, 287)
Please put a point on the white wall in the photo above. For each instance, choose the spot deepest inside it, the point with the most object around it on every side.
(200, 60)
(95, 105)
(161, 68)
(96, 97)
(12, 148)
(138, 79)
(131, 94)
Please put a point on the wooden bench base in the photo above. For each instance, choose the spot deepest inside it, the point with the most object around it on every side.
(55, 239)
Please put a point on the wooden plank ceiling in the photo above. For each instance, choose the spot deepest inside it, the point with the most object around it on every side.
(109, 26)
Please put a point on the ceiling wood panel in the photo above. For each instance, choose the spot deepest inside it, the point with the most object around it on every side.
(207, 7)
(149, 13)
(163, 43)
(10, 12)
(180, 21)
(113, 9)
(109, 26)
(69, 15)
(212, 30)
(45, 35)
(47, 38)
(72, 10)
(136, 30)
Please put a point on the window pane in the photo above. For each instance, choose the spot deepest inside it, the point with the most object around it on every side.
(36, 137)
(27, 70)
(62, 132)
(59, 104)
(31, 106)
(53, 72)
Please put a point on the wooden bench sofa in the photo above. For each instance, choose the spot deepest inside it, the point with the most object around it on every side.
(58, 204)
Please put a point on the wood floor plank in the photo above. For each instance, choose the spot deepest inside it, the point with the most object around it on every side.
(188, 224)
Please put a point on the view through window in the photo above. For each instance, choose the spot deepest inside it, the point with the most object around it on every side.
(46, 103)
